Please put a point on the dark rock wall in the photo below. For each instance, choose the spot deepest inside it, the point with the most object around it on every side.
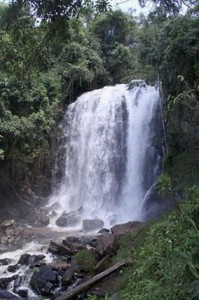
(182, 129)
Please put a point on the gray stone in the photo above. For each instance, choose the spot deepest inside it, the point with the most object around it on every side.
(58, 248)
(62, 221)
(45, 281)
(127, 228)
(43, 218)
(92, 224)
(7, 223)
(5, 295)
(68, 277)
(5, 261)
(106, 244)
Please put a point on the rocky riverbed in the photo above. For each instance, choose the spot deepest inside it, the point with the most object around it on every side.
(36, 261)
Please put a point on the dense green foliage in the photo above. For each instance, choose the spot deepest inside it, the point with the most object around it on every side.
(170, 47)
(86, 260)
(46, 66)
(46, 63)
(116, 33)
(165, 259)
(170, 6)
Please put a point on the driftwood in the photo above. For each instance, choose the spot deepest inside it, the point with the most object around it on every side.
(86, 285)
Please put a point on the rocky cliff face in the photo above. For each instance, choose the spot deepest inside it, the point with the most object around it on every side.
(182, 128)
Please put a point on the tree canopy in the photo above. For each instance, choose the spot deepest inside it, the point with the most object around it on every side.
(45, 65)
(170, 6)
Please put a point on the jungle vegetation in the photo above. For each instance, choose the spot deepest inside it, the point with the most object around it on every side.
(51, 53)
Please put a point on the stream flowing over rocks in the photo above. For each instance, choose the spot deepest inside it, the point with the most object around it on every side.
(50, 269)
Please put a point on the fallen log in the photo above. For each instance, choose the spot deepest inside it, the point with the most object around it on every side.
(87, 284)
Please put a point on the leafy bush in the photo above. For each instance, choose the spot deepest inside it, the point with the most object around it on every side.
(164, 185)
(166, 265)
(86, 259)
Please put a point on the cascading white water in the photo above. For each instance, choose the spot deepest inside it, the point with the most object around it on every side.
(110, 158)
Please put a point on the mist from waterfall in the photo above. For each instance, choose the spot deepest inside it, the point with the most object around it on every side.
(111, 161)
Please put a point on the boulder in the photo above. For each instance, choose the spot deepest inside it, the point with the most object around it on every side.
(90, 240)
(43, 218)
(58, 248)
(75, 246)
(106, 244)
(13, 268)
(68, 219)
(5, 281)
(24, 259)
(68, 277)
(62, 221)
(127, 228)
(23, 293)
(7, 223)
(27, 259)
(5, 261)
(17, 283)
(104, 231)
(9, 231)
(72, 239)
(45, 281)
(92, 224)
(4, 240)
(8, 296)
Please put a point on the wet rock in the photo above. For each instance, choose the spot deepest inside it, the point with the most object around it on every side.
(4, 240)
(27, 259)
(68, 277)
(127, 228)
(104, 230)
(24, 259)
(62, 221)
(89, 240)
(8, 296)
(58, 248)
(5, 281)
(17, 283)
(13, 268)
(92, 224)
(72, 239)
(106, 244)
(40, 256)
(52, 214)
(5, 261)
(11, 240)
(43, 218)
(7, 223)
(9, 232)
(75, 246)
(52, 207)
(68, 219)
(23, 293)
(45, 281)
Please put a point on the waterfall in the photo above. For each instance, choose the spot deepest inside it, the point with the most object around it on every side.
(111, 154)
